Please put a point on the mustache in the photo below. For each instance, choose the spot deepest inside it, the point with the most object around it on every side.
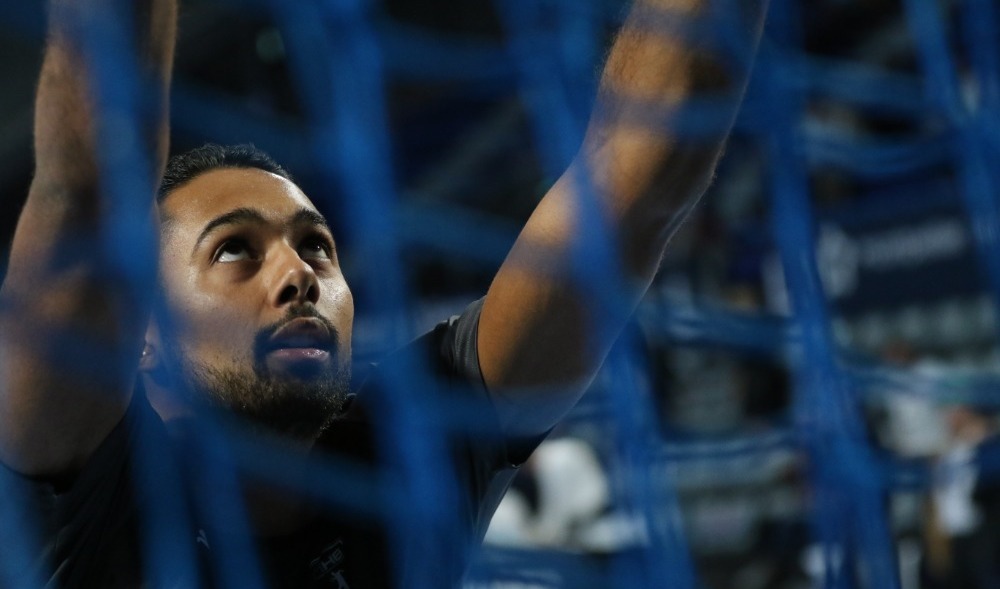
(306, 311)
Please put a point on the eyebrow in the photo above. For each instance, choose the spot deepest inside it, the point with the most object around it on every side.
(248, 215)
(309, 217)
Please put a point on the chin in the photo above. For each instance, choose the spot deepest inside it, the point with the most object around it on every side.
(297, 401)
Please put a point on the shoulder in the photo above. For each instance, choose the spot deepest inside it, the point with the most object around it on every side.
(444, 356)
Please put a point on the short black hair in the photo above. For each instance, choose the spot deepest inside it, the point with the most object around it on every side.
(184, 167)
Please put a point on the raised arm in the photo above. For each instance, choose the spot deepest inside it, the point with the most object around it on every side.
(539, 338)
(59, 300)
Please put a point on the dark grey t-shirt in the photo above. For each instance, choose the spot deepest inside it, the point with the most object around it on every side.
(96, 531)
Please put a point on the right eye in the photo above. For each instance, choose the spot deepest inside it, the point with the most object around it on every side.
(233, 250)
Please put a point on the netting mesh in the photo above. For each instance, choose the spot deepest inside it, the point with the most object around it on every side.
(550, 51)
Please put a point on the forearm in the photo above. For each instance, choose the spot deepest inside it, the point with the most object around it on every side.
(65, 117)
(543, 325)
(647, 177)
(57, 239)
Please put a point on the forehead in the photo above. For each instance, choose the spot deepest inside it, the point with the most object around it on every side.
(220, 191)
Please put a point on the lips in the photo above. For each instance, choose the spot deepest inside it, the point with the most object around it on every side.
(303, 333)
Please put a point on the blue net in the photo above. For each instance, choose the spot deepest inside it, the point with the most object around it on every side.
(340, 54)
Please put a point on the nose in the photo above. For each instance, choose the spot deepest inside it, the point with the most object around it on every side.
(294, 279)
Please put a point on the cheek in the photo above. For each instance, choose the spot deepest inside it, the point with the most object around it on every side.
(341, 308)
(219, 336)
(210, 322)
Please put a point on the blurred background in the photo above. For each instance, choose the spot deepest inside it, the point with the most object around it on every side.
(906, 274)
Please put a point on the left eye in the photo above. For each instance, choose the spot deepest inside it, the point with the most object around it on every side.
(234, 250)
(314, 249)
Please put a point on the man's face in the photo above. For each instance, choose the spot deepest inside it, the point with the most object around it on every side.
(258, 315)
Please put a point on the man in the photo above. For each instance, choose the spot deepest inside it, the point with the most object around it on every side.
(254, 317)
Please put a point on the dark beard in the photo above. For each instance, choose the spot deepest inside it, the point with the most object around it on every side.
(298, 406)
(300, 409)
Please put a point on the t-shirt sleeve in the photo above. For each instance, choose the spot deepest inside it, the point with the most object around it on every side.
(459, 349)
(492, 456)
(440, 370)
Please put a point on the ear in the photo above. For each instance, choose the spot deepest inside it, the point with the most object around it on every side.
(156, 379)
(150, 360)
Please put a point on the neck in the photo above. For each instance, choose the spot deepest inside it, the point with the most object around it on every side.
(272, 510)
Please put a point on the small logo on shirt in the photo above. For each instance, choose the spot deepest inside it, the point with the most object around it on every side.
(202, 538)
(328, 565)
